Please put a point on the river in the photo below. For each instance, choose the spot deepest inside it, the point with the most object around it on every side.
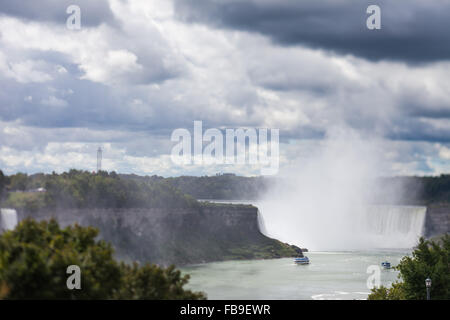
(330, 275)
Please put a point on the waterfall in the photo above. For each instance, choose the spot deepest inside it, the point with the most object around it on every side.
(393, 226)
(318, 226)
(8, 219)
(261, 223)
(349, 227)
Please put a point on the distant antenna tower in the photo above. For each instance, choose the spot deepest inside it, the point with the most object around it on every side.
(99, 159)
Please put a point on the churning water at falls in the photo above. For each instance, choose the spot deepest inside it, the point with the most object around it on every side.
(8, 219)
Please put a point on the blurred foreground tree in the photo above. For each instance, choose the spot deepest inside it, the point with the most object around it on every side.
(429, 259)
(167, 284)
(34, 258)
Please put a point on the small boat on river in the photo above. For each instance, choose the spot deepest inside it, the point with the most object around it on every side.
(301, 260)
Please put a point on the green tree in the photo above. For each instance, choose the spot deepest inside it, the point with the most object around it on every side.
(167, 283)
(18, 182)
(2, 183)
(23, 200)
(429, 259)
(34, 258)
(81, 189)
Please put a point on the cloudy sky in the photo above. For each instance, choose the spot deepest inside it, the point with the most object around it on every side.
(138, 69)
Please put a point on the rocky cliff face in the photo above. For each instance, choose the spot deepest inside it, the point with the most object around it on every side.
(437, 221)
(179, 236)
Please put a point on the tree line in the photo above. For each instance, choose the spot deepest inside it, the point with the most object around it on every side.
(82, 189)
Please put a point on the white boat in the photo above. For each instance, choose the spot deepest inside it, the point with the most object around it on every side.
(301, 260)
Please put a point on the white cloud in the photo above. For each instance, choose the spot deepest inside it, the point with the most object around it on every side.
(24, 71)
(128, 85)
(98, 52)
(52, 101)
(444, 153)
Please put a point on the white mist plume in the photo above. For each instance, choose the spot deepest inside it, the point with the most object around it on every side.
(322, 203)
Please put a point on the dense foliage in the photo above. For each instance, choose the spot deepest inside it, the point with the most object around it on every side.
(34, 258)
(436, 189)
(223, 186)
(28, 201)
(430, 259)
(418, 190)
(151, 282)
(399, 190)
(82, 189)
(3, 181)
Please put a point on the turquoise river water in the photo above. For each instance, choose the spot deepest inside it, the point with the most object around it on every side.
(330, 275)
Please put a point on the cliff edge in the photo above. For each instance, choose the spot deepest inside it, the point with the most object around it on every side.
(212, 232)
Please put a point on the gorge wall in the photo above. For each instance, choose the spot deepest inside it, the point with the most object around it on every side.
(176, 236)
(437, 221)
(211, 232)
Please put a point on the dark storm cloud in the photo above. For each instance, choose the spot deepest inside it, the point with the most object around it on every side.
(411, 129)
(412, 30)
(93, 13)
(415, 109)
(69, 102)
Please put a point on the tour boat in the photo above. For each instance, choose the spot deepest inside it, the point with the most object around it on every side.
(301, 260)
(386, 265)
